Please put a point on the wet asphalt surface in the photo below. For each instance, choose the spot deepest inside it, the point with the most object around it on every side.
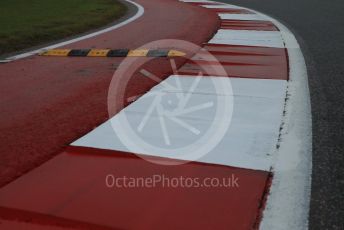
(319, 27)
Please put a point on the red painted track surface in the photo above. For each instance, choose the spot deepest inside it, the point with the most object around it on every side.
(47, 103)
(71, 189)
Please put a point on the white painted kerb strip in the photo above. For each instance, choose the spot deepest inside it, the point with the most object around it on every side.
(206, 1)
(248, 38)
(243, 17)
(249, 141)
(222, 7)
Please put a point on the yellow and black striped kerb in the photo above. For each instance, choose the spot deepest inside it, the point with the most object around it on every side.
(112, 53)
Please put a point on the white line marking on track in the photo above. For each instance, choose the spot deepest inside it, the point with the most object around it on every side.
(288, 202)
(138, 14)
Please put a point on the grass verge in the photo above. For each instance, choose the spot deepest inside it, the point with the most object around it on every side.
(26, 23)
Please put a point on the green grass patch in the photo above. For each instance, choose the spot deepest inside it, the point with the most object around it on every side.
(26, 23)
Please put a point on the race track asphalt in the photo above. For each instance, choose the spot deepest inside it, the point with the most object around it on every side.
(318, 26)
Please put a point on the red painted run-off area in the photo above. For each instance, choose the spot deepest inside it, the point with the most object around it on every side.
(47, 103)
